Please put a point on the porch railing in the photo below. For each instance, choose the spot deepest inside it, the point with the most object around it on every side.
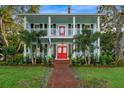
(55, 31)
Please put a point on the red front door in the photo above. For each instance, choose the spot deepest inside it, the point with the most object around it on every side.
(61, 30)
(62, 52)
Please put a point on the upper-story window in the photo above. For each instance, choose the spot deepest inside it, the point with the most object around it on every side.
(78, 25)
(32, 26)
(53, 31)
(41, 26)
(45, 26)
(69, 29)
(92, 26)
(37, 26)
(87, 26)
(54, 25)
(78, 29)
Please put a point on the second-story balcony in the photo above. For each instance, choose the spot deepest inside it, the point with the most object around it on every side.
(55, 32)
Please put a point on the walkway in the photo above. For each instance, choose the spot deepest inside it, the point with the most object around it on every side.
(62, 76)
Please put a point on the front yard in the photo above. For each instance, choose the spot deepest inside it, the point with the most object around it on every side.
(23, 76)
(114, 76)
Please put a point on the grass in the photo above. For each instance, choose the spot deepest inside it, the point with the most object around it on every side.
(22, 76)
(114, 75)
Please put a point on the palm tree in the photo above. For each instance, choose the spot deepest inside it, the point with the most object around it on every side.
(11, 22)
(85, 42)
(28, 37)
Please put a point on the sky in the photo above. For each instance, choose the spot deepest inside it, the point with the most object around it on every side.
(62, 9)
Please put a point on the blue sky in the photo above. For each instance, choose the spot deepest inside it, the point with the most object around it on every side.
(62, 9)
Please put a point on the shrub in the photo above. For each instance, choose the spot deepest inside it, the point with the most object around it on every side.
(94, 83)
(106, 58)
(39, 59)
(18, 59)
(74, 60)
(49, 60)
(70, 56)
(118, 61)
(53, 56)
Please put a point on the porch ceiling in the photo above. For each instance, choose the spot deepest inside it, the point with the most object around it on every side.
(61, 19)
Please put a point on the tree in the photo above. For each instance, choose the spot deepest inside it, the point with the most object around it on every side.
(10, 22)
(9, 51)
(85, 42)
(107, 40)
(114, 20)
(28, 37)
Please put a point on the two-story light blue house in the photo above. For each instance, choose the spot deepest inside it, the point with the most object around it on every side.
(61, 29)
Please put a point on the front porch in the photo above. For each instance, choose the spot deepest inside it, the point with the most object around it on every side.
(60, 48)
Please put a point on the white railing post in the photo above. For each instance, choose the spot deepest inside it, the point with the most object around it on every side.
(98, 40)
(74, 32)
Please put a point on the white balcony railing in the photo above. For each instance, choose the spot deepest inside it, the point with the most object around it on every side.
(55, 31)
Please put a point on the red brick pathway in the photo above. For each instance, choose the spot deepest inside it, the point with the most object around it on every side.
(62, 76)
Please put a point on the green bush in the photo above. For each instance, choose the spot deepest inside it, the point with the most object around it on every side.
(70, 56)
(106, 58)
(74, 60)
(18, 59)
(53, 56)
(40, 59)
(95, 83)
(118, 62)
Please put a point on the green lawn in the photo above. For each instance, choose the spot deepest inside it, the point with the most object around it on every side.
(114, 75)
(22, 76)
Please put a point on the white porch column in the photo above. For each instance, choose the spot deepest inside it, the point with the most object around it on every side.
(98, 41)
(49, 34)
(74, 32)
(49, 26)
(43, 46)
(25, 50)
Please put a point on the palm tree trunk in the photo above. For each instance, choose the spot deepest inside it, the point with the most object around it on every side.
(3, 32)
(19, 46)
